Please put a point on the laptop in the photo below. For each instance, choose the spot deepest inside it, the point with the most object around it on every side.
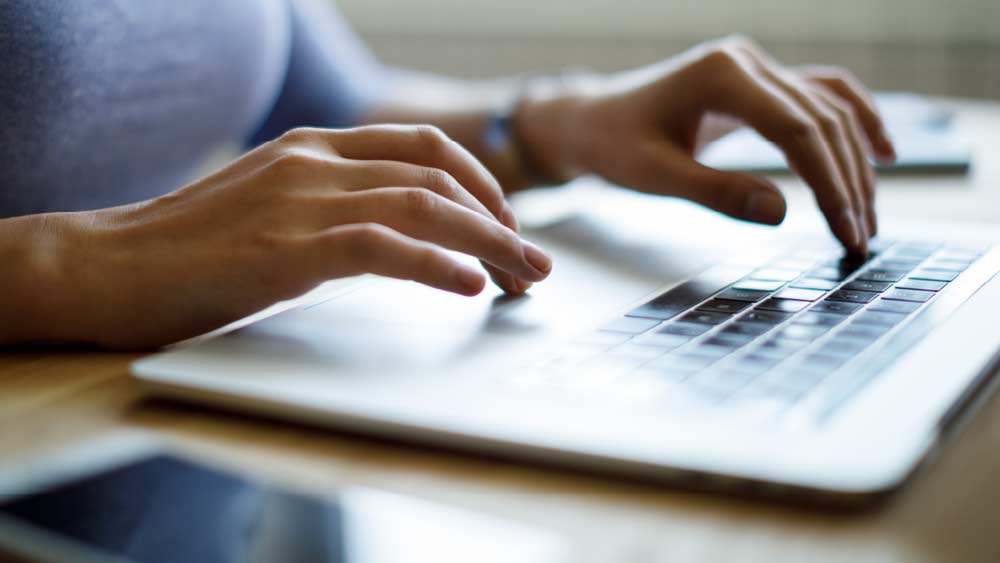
(669, 344)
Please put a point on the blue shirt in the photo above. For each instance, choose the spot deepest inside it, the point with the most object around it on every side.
(106, 102)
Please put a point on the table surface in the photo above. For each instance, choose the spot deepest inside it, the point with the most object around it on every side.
(53, 398)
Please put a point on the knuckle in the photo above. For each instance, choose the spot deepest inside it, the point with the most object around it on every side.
(430, 137)
(292, 161)
(362, 242)
(722, 58)
(829, 123)
(802, 129)
(299, 136)
(438, 180)
(420, 203)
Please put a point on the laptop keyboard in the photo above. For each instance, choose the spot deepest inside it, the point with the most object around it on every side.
(764, 337)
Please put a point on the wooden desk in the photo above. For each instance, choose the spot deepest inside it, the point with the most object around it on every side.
(950, 512)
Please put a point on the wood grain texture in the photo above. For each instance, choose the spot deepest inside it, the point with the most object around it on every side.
(949, 512)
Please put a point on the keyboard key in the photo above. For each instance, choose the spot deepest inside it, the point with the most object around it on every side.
(775, 274)
(823, 319)
(909, 295)
(730, 339)
(836, 307)
(685, 361)
(827, 273)
(662, 341)
(802, 332)
(881, 275)
(707, 318)
(865, 331)
(687, 294)
(749, 328)
(866, 285)
(800, 294)
(776, 349)
(711, 351)
(852, 296)
(880, 318)
(889, 306)
(898, 264)
(846, 347)
(758, 285)
(934, 275)
(814, 283)
(769, 317)
(748, 295)
(912, 250)
(724, 306)
(630, 350)
(947, 265)
(926, 285)
(783, 305)
(601, 339)
(629, 325)
(685, 329)
(752, 365)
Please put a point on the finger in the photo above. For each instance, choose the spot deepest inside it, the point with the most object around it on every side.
(740, 91)
(835, 134)
(426, 216)
(736, 194)
(425, 146)
(846, 86)
(348, 250)
(850, 119)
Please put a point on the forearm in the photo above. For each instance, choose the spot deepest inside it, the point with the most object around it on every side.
(537, 151)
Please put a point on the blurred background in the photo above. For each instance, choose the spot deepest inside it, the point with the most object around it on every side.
(930, 46)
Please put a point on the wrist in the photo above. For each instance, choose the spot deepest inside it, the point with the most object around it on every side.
(546, 125)
(36, 277)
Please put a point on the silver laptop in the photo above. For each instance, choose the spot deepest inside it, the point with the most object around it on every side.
(669, 344)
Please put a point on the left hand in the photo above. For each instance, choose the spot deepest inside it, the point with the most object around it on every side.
(643, 129)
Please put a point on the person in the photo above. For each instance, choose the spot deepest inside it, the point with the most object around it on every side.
(106, 107)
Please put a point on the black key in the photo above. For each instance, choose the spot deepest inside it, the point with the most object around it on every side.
(724, 306)
(865, 285)
(686, 329)
(775, 274)
(852, 296)
(758, 285)
(687, 294)
(926, 285)
(881, 275)
(769, 317)
(800, 294)
(934, 275)
(823, 319)
(836, 307)
(730, 339)
(783, 305)
(777, 350)
(889, 306)
(748, 295)
(629, 325)
(880, 318)
(846, 265)
(743, 327)
(814, 283)
(909, 295)
(707, 318)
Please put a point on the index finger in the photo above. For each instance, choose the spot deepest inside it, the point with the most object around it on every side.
(426, 146)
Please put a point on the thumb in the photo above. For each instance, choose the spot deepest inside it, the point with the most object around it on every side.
(737, 194)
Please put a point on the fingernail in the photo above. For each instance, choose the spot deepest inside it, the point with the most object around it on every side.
(522, 285)
(470, 280)
(508, 218)
(764, 207)
(538, 259)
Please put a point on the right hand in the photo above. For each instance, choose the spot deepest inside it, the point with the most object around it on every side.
(308, 207)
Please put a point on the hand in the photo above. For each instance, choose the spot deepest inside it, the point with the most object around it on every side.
(642, 129)
(311, 206)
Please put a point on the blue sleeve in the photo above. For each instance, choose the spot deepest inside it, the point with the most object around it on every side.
(331, 79)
